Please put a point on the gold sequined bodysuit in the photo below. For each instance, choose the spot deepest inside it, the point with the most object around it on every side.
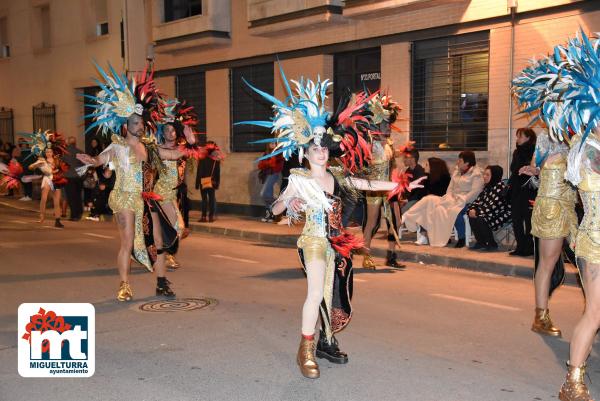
(587, 244)
(380, 170)
(166, 186)
(554, 210)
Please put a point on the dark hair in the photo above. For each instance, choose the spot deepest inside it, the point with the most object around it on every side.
(468, 157)
(496, 172)
(529, 134)
(437, 169)
(414, 153)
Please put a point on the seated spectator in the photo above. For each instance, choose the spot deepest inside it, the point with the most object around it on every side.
(437, 215)
(438, 176)
(106, 182)
(411, 161)
(490, 211)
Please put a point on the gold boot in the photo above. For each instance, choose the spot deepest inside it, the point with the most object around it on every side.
(543, 324)
(125, 293)
(171, 262)
(306, 359)
(368, 262)
(574, 388)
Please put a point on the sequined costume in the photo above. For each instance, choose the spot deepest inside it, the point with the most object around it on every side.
(52, 175)
(554, 209)
(166, 187)
(379, 170)
(323, 238)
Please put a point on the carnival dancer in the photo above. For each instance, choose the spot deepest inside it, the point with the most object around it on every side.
(384, 113)
(304, 127)
(124, 107)
(12, 171)
(49, 147)
(570, 93)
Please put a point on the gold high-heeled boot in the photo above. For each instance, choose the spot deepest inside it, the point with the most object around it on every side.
(125, 293)
(574, 388)
(543, 324)
(171, 262)
(306, 359)
(369, 263)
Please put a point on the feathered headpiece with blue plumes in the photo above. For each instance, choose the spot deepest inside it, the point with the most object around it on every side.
(39, 141)
(300, 119)
(119, 98)
(176, 113)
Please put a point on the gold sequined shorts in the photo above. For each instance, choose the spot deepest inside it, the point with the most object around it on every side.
(553, 218)
(122, 200)
(314, 248)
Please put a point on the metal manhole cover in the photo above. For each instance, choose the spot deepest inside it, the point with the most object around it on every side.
(177, 305)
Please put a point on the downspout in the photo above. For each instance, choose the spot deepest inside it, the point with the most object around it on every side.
(512, 5)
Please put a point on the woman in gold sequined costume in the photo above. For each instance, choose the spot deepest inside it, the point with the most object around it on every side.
(553, 220)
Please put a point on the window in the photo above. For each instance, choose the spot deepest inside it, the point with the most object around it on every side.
(246, 105)
(44, 117)
(192, 89)
(357, 71)
(178, 9)
(6, 125)
(450, 92)
(100, 17)
(45, 26)
(4, 47)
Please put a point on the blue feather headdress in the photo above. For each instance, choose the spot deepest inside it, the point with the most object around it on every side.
(39, 141)
(299, 119)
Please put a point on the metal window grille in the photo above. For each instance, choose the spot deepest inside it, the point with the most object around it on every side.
(6, 125)
(248, 106)
(178, 9)
(192, 89)
(450, 79)
(44, 117)
(357, 71)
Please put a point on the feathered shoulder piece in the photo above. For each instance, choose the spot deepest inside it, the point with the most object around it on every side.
(384, 108)
(41, 140)
(119, 98)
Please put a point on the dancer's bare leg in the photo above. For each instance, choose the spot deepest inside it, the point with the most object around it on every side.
(372, 216)
(550, 250)
(56, 195)
(315, 279)
(43, 200)
(585, 331)
(126, 225)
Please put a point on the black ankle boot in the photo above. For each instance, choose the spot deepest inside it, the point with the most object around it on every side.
(162, 287)
(58, 224)
(460, 243)
(392, 262)
(331, 352)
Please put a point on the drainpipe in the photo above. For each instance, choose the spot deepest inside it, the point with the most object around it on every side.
(512, 6)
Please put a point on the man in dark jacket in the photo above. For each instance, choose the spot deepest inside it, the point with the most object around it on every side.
(411, 161)
(74, 185)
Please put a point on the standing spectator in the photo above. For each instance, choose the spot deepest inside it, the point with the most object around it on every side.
(521, 193)
(74, 184)
(438, 176)
(95, 148)
(26, 160)
(208, 179)
(490, 210)
(269, 174)
(411, 161)
(106, 182)
(90, 181)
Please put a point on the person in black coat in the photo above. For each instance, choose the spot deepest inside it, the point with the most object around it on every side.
(490, 211)
(209, 167)
(521, 193)
(411, 161)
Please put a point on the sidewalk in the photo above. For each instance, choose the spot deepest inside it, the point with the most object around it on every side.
(489, 262)
(252, 229)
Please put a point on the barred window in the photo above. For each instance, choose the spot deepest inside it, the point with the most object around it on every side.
(44, 117)
(192, 89)
(6, 125)
(450, 92)
(357, 71)
(246, 105)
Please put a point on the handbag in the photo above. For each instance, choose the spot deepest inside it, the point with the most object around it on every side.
(206, 182)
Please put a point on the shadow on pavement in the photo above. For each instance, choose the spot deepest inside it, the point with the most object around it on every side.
(291, 273)
(17, 278)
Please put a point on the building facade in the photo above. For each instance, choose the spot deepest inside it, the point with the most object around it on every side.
(448, 63)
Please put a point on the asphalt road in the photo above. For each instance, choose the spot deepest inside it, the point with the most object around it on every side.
(427, 333)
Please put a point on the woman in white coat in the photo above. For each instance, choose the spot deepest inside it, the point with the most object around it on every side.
(437, 215)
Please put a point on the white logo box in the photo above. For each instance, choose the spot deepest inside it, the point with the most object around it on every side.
(77, 363)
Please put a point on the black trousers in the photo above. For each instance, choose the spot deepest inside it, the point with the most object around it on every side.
(73, 190)
(209, 202)
(521, 221)
(482, 231)
(183, 202)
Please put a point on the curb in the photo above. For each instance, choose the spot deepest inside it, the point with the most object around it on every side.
(571, 278)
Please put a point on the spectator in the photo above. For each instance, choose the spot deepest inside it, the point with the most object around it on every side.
(521, 193)
(106, 182)
(411, 161)
(490, 210)
(95, 148)
(74, 184)
(438, 176)
(26, 160)
(437, 215)
(90, 181)
(269, 174)
(208, 179)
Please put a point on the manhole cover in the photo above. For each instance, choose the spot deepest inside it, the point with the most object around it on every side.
(177, 305)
